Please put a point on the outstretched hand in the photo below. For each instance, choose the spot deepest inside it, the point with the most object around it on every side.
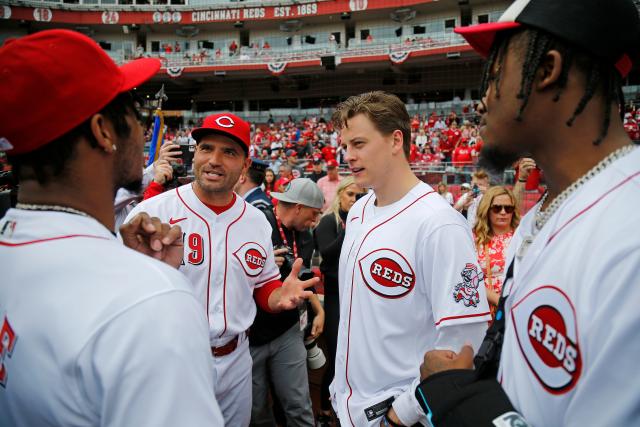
(293, 290)
(154, 238)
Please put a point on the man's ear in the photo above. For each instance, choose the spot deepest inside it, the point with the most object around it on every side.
(245, 167)
(549, 70)
(103, 133)
(398, 141)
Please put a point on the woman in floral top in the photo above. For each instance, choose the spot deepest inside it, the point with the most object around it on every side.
(498, 218)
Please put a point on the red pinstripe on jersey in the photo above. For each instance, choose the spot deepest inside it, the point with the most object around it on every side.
(50, 239)
(226, 253)
(208, 240)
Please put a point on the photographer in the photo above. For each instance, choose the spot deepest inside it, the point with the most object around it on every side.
(171, 165)
(470, 200)
(276, 340)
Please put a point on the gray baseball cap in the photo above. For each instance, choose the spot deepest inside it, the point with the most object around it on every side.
(301, 191)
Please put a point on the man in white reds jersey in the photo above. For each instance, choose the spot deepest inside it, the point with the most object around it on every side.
(91, 332)
(409, 279)
(227, 254)
(568, 313)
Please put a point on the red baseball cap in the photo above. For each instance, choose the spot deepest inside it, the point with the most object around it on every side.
(331, 163)
(226, 124)
(54, 80)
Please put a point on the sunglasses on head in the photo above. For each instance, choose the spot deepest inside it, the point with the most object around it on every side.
(507, 208)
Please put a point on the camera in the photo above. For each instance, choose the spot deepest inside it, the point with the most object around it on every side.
(186, 154)
(475, 191)
(287, 265)
(315, 357)
(179, 171)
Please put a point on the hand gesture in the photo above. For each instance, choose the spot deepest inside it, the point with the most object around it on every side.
(293, 290)
(153, 238)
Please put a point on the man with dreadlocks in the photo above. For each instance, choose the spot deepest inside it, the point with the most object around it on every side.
(565, 337)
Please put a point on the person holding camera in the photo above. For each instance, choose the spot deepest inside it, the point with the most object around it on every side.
(276, 340)
(172, 164)
(470, 200)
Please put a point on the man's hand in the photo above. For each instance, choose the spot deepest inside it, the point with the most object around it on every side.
(169, 152)
(277, 258)
(444, 360)
(292, 292)
(162, 172)
(317, 326)
(525, 166)
(153, 238)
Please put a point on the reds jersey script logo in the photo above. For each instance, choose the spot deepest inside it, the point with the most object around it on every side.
(467, 290)
(252, 258)
(547, 332)
(387, 273)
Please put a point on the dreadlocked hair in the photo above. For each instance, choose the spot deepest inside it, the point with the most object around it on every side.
(600, 75)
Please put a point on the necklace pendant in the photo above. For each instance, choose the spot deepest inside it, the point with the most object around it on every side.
(524, 246)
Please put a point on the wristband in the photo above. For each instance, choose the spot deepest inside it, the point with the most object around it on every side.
(522, 180)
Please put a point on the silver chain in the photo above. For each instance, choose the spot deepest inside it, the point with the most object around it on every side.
(55, 208)
(543, 216)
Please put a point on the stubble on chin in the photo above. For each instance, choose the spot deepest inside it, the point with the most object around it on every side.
(495, 160)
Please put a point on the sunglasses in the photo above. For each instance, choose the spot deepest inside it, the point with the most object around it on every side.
(496, 209)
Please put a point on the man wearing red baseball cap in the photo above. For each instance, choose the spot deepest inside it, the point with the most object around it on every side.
(103, 326)
(562, 350)
(227, 255)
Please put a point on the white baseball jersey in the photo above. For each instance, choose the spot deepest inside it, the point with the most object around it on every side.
(93, 333)
(226, 256)
(409, 283)
(570, 351)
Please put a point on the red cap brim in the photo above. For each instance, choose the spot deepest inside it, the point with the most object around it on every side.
(138, 71)
(481, 36)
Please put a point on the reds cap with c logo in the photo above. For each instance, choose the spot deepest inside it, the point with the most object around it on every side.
(226, 124)
(53, 81)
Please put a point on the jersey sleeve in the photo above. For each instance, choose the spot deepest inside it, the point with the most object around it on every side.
(141, 368)
(453, 281)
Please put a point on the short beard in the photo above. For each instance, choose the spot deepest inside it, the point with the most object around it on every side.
(495, 160)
